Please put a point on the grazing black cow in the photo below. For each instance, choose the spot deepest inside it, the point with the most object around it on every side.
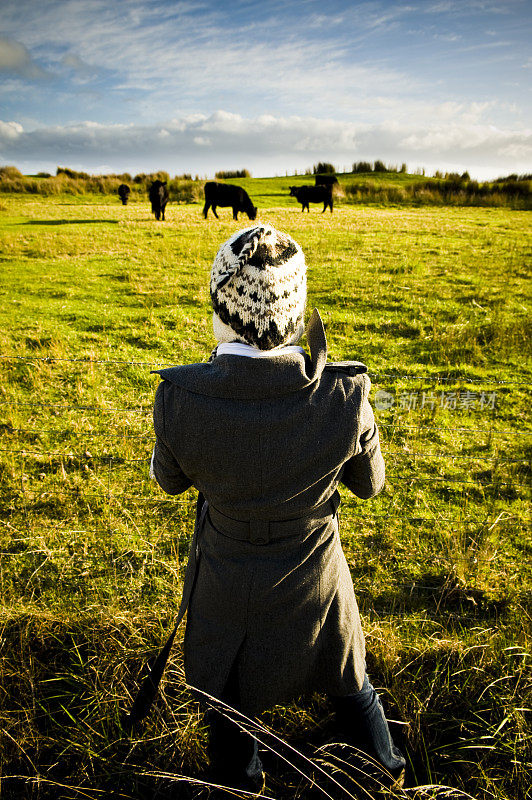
(158, 194)
(225, 194)
(123, 193)
(313, 194)
(326, 180)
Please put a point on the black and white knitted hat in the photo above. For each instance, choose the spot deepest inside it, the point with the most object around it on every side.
(259, 288)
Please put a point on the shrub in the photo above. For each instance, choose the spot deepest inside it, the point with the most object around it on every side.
(396, 194)
(10, 172)
(71, 173)
(515, 188)
(514, 177)
(12, 185)
(362, 166)
(147, 178)
(379, 166)
(232, 173)
(454, 190)
(323, 167)
(185, 190)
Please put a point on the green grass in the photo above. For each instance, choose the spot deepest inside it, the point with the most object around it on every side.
(92, 553)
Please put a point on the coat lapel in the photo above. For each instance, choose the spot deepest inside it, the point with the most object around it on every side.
(317, 343)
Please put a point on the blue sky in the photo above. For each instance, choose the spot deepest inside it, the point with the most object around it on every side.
(201, 85)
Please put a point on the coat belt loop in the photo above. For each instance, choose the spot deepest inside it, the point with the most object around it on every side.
(259, 531)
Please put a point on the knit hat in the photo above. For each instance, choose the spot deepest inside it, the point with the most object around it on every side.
(259, 288)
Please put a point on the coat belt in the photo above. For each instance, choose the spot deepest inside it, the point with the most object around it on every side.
(262, 531)
(256, 531)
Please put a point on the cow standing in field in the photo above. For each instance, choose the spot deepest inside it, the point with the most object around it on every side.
(123, 193)
(158, 194)
(225, 194)
(313, 194)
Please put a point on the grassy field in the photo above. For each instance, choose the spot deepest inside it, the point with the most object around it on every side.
(436, 302)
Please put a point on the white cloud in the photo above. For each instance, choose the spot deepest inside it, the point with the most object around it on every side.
(148, 61)
(265, 144)
(448, 37)
(9, 131)
(469, 138)
(461, 7)
(306, 80)
(520, 149)
(16, 60)
(177, 57)
(80, 68)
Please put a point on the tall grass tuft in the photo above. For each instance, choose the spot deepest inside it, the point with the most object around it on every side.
(451, 191)
(232, 173)
(323, 168)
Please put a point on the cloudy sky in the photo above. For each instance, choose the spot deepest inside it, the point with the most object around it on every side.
(273, 86)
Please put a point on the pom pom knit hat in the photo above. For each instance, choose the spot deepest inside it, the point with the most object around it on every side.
(259, 289)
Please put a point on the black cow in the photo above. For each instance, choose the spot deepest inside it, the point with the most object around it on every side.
(326, 180)
(123, 193)
(313, 194)
(158, 194)
(225, 194)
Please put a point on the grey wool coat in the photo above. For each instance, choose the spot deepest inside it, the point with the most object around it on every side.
(267, 441)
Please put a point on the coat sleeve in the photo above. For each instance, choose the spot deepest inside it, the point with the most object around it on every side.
(164, 465)
(364, 473)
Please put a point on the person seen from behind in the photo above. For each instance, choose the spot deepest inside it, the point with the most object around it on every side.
(266, 432)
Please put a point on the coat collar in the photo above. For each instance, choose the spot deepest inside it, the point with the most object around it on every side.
(255, 378)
